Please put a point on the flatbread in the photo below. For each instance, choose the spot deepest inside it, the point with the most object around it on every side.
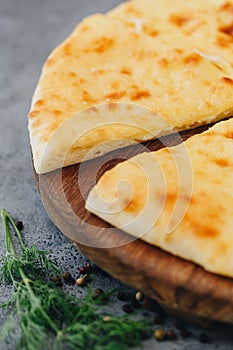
(171, 61)
(179, 199)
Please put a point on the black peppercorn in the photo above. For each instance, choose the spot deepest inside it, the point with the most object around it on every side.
(204, 338)
(145, 335)
(152, 305)
(185, 333)
(127, 308)
(158, 318)
(19, 225)
(71, 282)
(121, 296)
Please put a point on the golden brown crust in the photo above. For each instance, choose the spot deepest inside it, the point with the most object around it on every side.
(204, 235)
(174, 61)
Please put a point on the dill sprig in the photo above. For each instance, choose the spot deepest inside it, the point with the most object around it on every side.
(33, 261)
(47, 317)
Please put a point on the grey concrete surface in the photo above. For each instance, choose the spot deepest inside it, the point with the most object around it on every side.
(29, 30)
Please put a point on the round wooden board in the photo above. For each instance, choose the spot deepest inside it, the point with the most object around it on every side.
(180, 286)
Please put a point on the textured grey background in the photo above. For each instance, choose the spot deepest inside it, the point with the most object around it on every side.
(29, 30)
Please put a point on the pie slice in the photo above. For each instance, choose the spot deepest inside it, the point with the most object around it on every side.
(179, 199)
(143, 70)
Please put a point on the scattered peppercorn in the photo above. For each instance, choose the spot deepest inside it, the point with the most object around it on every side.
(66, 275)
(170, 335)
(81, 281)
(127, 308)
(71, 282)
(145, 335)
(204, 338)
(85, 269)
(68, 279)
(152, 305)
(82, 270)
(121, 296)
(185, 333)
(57, 280)
(19, 225)
(139, 296)
(88, 265)
(97, 293)
(159, 334)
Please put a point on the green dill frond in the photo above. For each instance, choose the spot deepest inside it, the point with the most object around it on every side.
(117, 333)
(10, 269)
(46, 315)
(8, 328)
(32, 260)
(37, 263)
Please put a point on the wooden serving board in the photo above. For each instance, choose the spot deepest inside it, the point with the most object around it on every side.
(180, 286)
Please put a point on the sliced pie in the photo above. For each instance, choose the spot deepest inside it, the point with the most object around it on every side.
(179, 199)
(143, 70)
